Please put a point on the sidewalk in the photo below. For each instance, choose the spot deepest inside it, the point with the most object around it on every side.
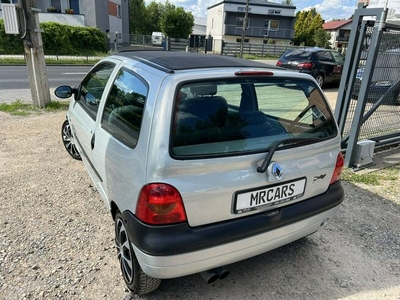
(9, 96)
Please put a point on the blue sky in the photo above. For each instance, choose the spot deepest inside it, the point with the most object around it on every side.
(329, 9)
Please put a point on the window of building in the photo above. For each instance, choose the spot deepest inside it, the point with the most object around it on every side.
(239, 22)
(118, 11)
(243, 9)
(274, 12)
(240, 40)
(272, 25)
(269, 42)
(56, 4)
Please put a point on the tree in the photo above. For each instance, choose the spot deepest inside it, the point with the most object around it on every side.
(321, 38)
(177, 23)
(172, 21)
(137, 16)
(307, 22)
(287, 2)
(154, 12)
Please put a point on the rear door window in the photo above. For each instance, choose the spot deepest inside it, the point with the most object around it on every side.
(123, 110)
(247, 115)
(325, 56)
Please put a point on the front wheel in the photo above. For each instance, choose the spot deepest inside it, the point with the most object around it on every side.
(135, 279)
(68, 140)
(320, 79)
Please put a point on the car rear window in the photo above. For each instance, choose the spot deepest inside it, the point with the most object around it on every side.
(247, 115)
(297, 54)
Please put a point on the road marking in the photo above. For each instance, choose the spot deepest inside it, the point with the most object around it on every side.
(83, 73)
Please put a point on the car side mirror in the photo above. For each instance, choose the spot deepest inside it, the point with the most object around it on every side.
(64, 91)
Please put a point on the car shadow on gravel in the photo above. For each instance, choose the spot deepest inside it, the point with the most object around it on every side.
(355, 255)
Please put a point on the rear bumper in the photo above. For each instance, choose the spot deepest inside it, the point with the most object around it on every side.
(178, 250)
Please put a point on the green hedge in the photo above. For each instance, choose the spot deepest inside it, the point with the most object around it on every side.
(59, 39)
(9, 43)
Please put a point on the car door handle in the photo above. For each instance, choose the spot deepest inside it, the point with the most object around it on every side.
(92, 141)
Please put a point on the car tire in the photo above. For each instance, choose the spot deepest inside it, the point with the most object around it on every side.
(135, 279)
(320, 79)
(68, 140)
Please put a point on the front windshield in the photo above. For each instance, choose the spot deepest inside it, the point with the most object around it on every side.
(247, 115)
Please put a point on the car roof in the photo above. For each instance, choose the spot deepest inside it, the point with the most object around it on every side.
(169, 61)
(316, 49)
(311, 49)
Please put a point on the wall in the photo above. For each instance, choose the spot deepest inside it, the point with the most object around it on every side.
(73, 20)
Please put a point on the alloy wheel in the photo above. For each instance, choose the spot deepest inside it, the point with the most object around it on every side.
(124, 251)
(69, 141)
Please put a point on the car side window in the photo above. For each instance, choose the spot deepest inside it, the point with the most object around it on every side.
(338, 58)
(92, 88)
(123, 110)
(325, 56)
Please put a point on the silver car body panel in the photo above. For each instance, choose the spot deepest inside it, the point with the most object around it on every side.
(202, 260)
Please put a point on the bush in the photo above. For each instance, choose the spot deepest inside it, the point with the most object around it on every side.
(59, 39)
(70, 40)
(9, 43)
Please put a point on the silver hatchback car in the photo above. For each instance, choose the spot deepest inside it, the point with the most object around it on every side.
(203, 160)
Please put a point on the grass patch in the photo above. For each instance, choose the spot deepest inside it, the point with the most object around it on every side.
(17, 61)
(18, 108)
(71, 62)
(373, 178)
(266, 57)
(367, 178)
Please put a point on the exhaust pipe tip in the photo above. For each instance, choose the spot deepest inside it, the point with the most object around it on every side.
(222, 272)
(209, 276)
(212, 275)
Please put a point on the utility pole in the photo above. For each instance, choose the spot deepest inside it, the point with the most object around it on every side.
(33, 47)
(244, 28)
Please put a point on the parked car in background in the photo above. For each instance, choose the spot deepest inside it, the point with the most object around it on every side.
(385, 79)
(324, 65)
(203, 160)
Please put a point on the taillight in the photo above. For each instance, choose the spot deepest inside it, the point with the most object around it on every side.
(306, 65)
(338, 168)
(160, 203)
(278, 63)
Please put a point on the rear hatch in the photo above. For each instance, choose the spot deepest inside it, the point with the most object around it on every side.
(222, 131)
(296, 60)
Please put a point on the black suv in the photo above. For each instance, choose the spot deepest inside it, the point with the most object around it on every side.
(324, 65)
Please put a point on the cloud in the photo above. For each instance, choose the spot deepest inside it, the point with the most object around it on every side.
(329, 9)
(333, 9)
(197, 7)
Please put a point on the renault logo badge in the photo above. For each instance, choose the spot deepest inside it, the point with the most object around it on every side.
(277, 171)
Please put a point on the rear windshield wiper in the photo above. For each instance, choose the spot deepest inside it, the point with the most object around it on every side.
(298, 141)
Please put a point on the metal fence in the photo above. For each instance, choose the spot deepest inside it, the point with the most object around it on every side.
(273, 50)
(368, 105)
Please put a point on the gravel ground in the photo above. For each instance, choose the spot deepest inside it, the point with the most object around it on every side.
(57, 237)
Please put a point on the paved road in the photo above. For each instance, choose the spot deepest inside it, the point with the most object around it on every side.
(14, 83)
(16, 77)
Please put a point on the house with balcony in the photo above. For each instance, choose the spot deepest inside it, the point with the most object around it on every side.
(267, 22)
(110, 16)
(340, 33)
